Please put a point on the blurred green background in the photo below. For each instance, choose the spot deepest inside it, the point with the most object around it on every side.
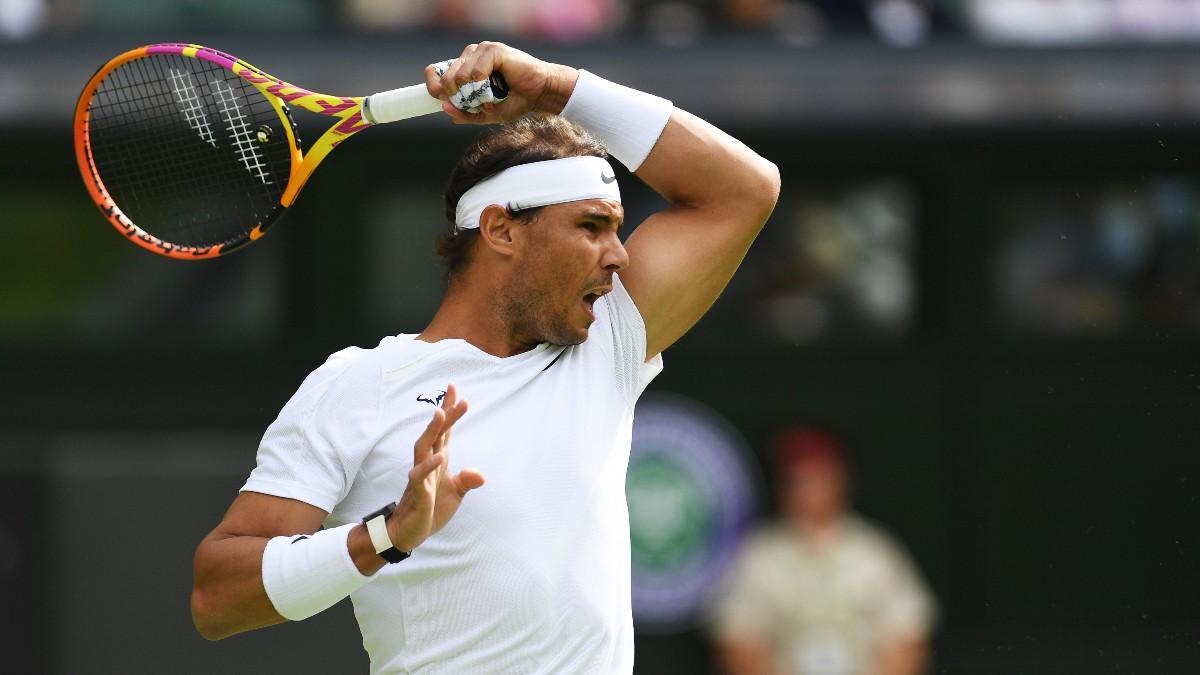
(984, 273)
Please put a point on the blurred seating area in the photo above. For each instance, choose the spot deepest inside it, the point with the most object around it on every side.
(797, 23)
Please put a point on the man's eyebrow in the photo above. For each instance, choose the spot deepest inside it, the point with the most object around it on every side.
(606, 218)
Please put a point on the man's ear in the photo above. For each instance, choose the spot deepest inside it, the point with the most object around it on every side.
(496, 229)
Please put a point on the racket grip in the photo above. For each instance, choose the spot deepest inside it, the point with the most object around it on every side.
(399, 104)
(414, 101)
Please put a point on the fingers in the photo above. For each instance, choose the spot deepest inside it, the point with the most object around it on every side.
(454, 410)
(433, 83)
(423, 469)
(467, 480)
(425, 442)
(476, 64)
(456, 75)
(434, 441)
(436, 435)
(454, 407)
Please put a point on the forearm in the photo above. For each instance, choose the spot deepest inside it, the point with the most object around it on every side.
(688, 161)
(695, 165)
(228, 594)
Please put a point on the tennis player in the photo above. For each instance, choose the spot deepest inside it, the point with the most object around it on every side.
(554, 328)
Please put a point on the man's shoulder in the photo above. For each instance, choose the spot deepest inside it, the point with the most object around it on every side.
(357, 365)
(350, 359)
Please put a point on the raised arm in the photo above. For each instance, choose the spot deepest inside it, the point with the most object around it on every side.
(720, 192)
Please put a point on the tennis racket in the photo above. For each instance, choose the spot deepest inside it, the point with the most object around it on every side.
(191, 153)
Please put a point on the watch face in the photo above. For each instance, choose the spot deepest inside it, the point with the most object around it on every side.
(385, 511)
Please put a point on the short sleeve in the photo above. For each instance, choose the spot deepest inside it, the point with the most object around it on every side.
(629, 343)
(313, 450)
(742, 608)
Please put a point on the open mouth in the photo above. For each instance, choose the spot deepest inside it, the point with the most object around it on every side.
(589, 300)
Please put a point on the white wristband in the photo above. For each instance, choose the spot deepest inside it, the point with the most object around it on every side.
(304, 575)
(627, 121)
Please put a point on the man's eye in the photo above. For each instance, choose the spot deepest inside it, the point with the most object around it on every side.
(590, 227)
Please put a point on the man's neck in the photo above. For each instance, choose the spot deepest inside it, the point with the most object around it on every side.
(474, 316)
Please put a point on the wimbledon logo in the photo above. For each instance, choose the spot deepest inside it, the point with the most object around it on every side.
(691, 493)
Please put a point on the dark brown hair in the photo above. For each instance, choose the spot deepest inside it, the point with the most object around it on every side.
(534, 138)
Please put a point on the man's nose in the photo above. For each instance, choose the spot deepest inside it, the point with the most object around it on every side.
(616, 258)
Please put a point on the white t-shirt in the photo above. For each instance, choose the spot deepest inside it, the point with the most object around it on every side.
(532, 574)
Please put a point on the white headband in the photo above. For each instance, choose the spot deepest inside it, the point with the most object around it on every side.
(525, 186)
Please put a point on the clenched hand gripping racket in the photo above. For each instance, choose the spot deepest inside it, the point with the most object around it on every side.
(191, 152)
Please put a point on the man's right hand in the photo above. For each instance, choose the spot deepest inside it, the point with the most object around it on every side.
(433, 495)
(534, 85)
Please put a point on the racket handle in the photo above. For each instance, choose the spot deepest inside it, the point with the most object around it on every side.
(399, 104)
(414, 101)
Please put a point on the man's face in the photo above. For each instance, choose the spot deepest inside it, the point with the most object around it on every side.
(565, 261)
(815, 491)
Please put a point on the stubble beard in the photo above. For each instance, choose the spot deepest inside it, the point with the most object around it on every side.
(531, 315)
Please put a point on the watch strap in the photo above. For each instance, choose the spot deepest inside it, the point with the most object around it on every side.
(376, 523)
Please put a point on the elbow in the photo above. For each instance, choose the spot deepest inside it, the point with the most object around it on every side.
(204, 614)
(204, 618)
(762, 191)
(769, 175)
(209, 616)
(770, 184)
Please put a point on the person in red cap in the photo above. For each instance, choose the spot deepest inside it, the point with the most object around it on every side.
(821, 591)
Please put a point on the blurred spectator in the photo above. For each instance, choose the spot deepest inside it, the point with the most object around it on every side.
(822, 591)
(1100, 259)
(674, 23)
(21, 19)
(1058, 22)
(792, 22)
(388, 15)
(903, 23)
(840, 262)
(798, 23)
(552, 20)
(1041, 21)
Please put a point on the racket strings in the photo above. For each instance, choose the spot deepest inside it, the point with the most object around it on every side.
(190, 152)
(191, 164)
(142, 172)
(166, 178)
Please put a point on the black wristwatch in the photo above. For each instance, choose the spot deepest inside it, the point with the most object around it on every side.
(376, 522)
